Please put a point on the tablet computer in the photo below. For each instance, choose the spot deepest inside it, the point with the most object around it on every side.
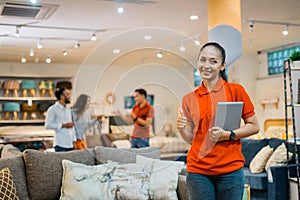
(228, 115)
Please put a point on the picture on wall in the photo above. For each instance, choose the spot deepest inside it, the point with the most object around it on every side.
(129, 101)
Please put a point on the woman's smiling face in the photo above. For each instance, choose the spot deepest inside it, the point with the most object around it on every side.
(210, 63)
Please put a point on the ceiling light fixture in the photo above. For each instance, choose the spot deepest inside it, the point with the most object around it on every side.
(159, 55)
(251, 27)
(17, 33)
(94, 37)
(31, 52)
(65, 53)
(147, 37)
(48, 60)
(286, 30)
(197, 42)
(23, 59)
(182, 48)
(194, 17)
(116, 51)
(76, 45)
(39, 44)
(33, 1)
(120, 9)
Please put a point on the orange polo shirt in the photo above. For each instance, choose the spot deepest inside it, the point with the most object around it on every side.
(144, 112)
(199, 106)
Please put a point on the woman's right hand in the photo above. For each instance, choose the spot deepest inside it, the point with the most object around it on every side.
(181, 120)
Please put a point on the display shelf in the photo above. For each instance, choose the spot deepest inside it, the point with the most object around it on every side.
(27, 98)
(31, 121)
(290, 91)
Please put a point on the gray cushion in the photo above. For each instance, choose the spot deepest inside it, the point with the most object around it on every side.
(44, 171)
(103, 154)
(10, 151)
(16, 166)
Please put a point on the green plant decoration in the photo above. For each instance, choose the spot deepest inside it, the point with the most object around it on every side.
(295, 56)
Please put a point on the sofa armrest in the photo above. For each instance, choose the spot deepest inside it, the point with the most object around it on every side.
(181, 189)
(278, 187)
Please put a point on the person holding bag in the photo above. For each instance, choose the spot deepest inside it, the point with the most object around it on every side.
(82, 120)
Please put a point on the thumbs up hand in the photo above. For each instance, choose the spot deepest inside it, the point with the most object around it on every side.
(181, 120)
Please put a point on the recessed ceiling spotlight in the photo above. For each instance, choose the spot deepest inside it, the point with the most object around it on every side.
(48, 60)
(182, 48)
(159, 55)
(285, 31)
(65, 53)
(120, 9)
(31, 52)
(39, 44)
(116, 51)
(194, 17)
(33, 1)
(23, 60)
(251, 27)
(76, 45)
(147, 37)
(197, 42)
(94, 37)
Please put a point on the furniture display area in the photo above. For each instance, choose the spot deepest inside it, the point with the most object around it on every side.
(24, 100)
(119, 136)
(41, 175)
(270, 183)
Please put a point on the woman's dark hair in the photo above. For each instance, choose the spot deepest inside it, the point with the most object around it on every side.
(223, 55)
(141, 91)
(79, 105)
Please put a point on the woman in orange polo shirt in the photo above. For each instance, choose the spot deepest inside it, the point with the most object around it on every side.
(215, 159)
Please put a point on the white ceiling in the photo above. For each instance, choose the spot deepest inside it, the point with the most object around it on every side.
(160, 15)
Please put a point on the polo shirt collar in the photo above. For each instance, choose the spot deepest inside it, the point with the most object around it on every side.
(202, 90)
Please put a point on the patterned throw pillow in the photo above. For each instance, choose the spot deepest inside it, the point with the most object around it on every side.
(7, 187)
(106, 181)
(163, 177)
(279, 157)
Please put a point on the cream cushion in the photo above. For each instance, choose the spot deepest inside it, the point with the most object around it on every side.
(259, 161)
(163, 178)
(279, 157)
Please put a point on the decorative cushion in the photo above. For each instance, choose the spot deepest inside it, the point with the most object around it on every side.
(11, 107)
(17, 169)
(10, 151)
(104, 154)
(250, 147)
(28, 84)
(26, 108)
(46, 168)
(119, 136)
(122, 144)
(7, 186)
(163, 178)
(279, 157)
(107, 181)
(258, 163)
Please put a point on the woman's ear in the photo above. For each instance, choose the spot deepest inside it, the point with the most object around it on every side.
(223, 66)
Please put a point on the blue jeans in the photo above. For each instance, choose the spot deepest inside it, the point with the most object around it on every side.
(139, 142)
(61, 149)
(222, 187)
